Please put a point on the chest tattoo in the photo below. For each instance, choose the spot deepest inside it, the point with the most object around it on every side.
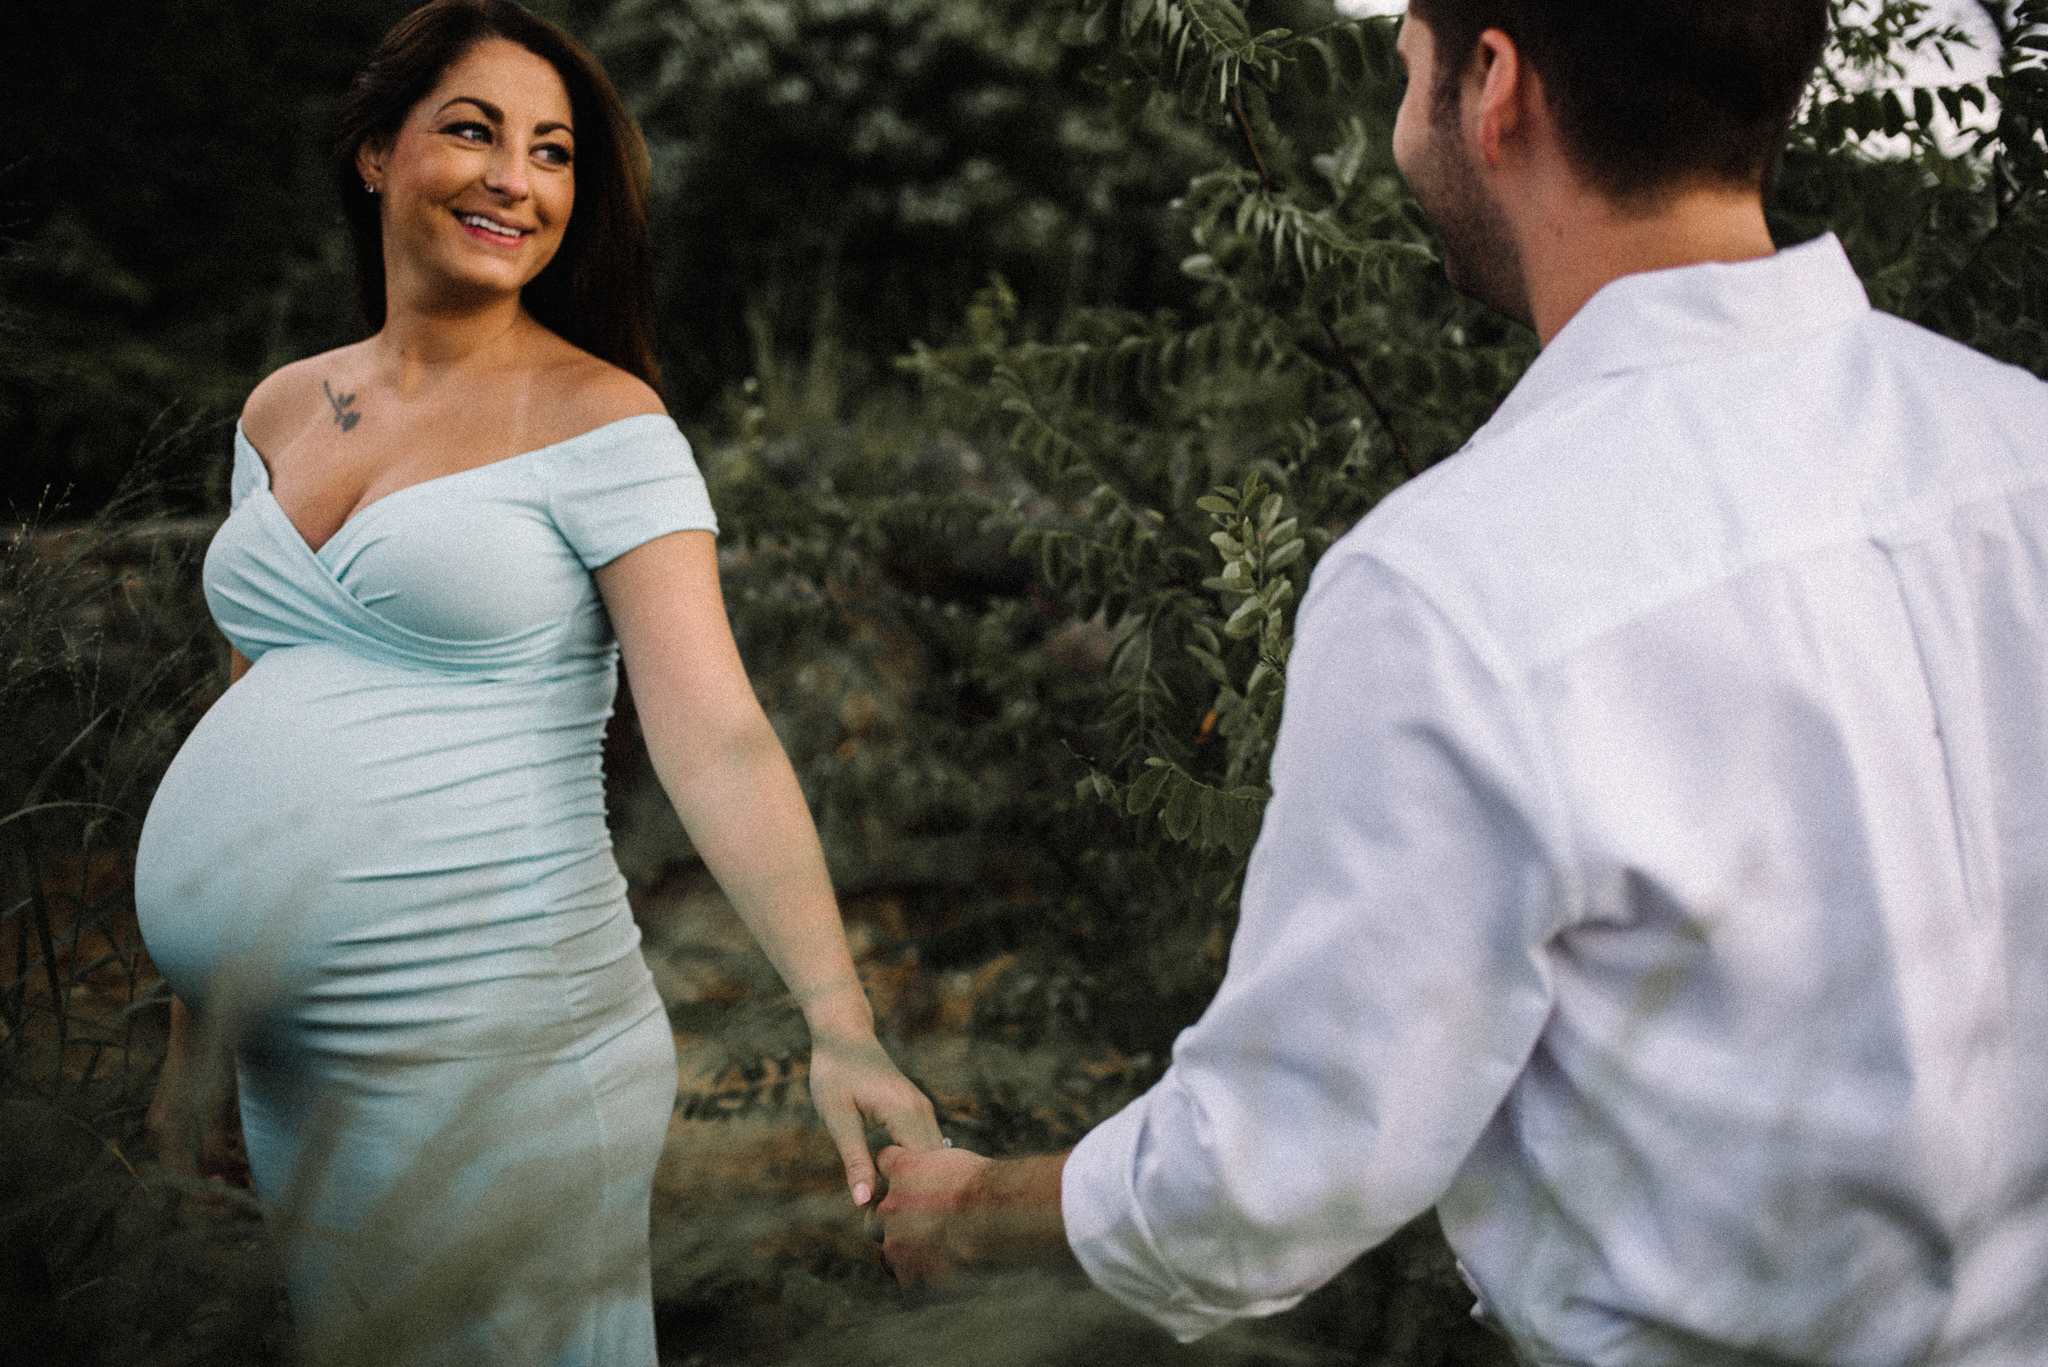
(346, 415)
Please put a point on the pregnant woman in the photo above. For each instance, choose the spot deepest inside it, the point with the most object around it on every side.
(382, 854)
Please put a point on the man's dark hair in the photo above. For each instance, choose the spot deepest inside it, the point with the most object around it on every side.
(1650, 94)
(598, 292)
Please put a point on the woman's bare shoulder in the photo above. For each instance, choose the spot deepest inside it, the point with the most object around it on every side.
(610, 394)
(294, 395)
(594, 392)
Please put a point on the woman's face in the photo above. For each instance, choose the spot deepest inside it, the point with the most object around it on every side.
(477, 186)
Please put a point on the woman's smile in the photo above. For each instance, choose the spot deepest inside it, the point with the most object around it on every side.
(490, 229)
(492, 147)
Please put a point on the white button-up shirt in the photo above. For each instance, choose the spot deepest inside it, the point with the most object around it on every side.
(1656, 878)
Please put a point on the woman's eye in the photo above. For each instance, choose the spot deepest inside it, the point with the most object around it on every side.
(554, 154)
(469, 132)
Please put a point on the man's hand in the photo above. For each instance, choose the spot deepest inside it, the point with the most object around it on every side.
(947, 1209)
(929, 1215)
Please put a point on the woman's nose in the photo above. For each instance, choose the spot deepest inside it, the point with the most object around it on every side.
(506, 174)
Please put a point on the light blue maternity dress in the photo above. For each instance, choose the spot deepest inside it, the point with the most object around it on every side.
(384, 854)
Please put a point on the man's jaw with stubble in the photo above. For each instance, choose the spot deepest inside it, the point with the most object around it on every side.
(1481, 258)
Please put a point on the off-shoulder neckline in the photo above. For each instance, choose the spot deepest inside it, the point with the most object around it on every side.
(263, 466)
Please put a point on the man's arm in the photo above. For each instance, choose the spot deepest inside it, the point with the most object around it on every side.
(948, 1209)
(1383, 994)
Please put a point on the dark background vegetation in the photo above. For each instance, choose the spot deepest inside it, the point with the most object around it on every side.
(1034, 352)
(173, 234)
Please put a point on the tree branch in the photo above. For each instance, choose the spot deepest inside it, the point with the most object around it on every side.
(1350, 361)
(1237, 108)
(1379, 409)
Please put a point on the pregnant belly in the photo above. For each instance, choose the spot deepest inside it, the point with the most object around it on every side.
(366, 858)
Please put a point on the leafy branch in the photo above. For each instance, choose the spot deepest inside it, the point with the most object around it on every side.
(1259, 546)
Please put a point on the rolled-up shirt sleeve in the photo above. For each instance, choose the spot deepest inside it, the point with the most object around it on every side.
(1385, 987)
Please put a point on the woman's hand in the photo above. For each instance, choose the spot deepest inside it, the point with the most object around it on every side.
(854, 1085)
(192, 1117)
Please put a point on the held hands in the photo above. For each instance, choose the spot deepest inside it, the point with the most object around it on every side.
(855, 1084)
(952, 1209)
(930, 1218)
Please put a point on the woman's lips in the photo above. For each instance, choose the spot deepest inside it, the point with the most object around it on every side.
(471, 225)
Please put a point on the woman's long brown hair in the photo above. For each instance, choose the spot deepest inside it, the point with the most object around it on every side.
(597, 292)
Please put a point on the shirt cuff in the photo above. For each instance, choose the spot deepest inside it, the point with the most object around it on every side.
(1110, 1236)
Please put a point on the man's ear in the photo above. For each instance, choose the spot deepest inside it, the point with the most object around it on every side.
(1497, 86)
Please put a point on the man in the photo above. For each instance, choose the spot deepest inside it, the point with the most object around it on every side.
(1656, 879)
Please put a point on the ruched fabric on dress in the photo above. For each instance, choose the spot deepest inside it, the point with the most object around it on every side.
(382, 856)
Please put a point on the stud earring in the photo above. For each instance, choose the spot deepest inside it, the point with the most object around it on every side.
(369, 188)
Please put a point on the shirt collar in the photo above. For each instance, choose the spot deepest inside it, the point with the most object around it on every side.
(1692, 313)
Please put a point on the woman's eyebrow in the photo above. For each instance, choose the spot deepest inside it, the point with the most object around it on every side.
(491, 111)
(497, 115)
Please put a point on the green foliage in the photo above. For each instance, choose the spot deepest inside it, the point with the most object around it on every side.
(1254, 593)
(1944, 218)
(1164, 320)
(162, 1269)
(1319, 317)
(167, 230)
(105, 652)
(852, 171)
(106, 656)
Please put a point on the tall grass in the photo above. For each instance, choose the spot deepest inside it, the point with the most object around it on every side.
(106, 658)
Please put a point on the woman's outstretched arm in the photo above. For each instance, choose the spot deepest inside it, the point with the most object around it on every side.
(724, 769)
